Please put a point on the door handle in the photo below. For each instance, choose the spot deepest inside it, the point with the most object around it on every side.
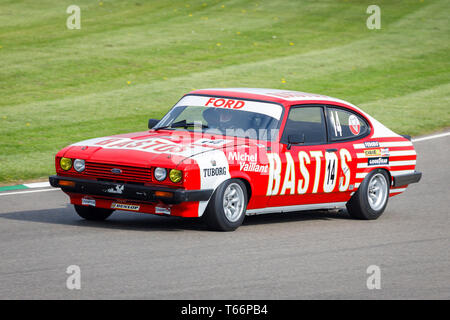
(331, 150)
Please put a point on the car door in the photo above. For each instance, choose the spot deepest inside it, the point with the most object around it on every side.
(305, 168)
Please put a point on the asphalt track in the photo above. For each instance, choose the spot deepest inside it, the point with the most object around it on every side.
(314, 255)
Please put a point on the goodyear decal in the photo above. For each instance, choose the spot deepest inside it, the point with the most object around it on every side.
(381, 161)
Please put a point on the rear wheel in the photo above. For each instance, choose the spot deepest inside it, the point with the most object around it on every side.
(227, 206)
(93, 213)
(369, 202)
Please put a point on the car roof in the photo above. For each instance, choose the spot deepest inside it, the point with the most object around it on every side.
(273, 95)
(287, 98)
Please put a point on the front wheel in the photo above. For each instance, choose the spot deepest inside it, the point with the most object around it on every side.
(227, 206)
(93, 213)
(369, 202)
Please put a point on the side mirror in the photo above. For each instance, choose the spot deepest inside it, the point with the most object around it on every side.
(152, 123)
(295, 139)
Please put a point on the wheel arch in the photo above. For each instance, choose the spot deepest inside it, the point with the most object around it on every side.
(359, 206)
(385, 169)
(248, 187)
(389, 175)
(246, 180)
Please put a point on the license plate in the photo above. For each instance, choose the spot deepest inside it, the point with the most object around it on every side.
(88, 202)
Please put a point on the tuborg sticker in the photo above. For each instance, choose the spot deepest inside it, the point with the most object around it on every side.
(210, 172)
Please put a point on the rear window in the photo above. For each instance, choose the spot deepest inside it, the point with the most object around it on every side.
(343, 124)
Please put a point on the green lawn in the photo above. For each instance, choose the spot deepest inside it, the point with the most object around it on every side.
(132, 60)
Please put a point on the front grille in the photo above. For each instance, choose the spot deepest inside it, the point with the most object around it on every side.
(128, 174)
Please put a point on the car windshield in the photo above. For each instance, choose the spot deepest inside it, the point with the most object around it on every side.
(229, 122)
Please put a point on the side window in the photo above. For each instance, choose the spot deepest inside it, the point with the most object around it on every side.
(308, 122)
(344, 124)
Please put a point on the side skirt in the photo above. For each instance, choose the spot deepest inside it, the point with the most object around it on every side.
(303, 207)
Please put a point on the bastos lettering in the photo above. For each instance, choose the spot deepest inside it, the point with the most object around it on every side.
(154, 145)
(289, 179)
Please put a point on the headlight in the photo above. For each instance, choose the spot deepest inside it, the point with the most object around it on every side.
(175, 175)
(79, 165)
(65, 163)
(160, 173)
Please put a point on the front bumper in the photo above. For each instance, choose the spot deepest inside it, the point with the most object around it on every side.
(129, 191)
(405, 179)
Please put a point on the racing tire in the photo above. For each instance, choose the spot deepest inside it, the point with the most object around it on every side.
(93, 213)
(369, 202)
(227, 206)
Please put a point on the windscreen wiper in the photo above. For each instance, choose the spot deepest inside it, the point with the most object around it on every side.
(182, 124)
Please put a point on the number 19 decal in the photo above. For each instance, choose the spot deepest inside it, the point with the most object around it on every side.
(330, 171)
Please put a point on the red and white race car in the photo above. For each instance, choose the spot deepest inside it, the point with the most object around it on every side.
(220, 154)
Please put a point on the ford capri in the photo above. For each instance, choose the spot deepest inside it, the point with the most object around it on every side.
(222, 154)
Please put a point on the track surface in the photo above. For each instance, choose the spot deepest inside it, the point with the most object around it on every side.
(289, 256)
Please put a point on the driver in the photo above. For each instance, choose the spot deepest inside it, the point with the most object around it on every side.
(225, 119)
(221, 119)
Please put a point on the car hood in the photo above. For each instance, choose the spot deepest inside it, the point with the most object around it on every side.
(150, 148)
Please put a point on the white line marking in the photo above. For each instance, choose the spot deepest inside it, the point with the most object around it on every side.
(22, 192)
(432, 137)
(37, 185)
